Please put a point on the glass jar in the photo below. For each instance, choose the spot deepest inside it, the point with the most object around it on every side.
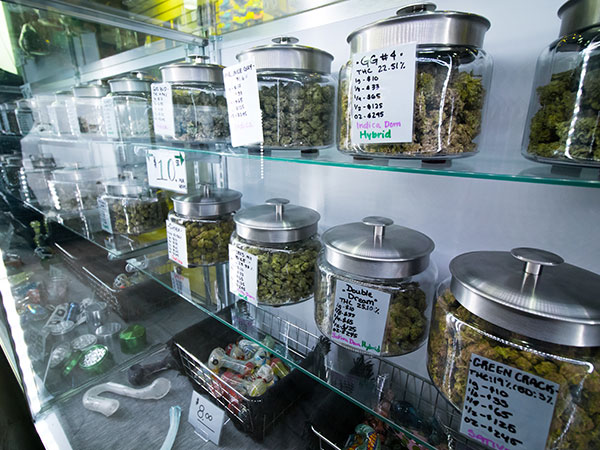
(452, 78)
(129, 106)
(24, 115)
(11, 174)
(11, 125)
(380, 273)
(562, 119)
(35, 181)
(74, 189)
(59, 114)
(41, 113)
(205, 222)
(198, 104)
(87, 107)
(280, 242)
(296, 93)
(132, 207)
(2, 120)
(530, 311)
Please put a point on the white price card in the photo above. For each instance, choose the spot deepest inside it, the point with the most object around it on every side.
(206, 418)
(104, 215)
(507, 408)
(181, 285)
(177, 243)
(167, 169)
(382, 91)
(162, 110)
(359, 316)
(110, 117)
(243, 105)
(243, 274)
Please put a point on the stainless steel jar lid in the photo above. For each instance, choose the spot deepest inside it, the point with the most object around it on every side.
(576, 15)
(193, 72)
(95, 90)
(276, 222)
(134, 82)
(284, 54)
(91, 174)
(63, 94)
(378, 249)
(210, 203)
(126, 188)
(531, 292)
(421, 23)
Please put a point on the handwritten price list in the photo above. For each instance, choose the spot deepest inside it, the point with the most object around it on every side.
(359, 316)
(243, 274)
(176, 243)
(382, 95)
(162, 109)
(506, 408)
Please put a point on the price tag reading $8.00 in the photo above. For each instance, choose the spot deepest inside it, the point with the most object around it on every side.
(243, 274)
(167, 170)
(206, 418)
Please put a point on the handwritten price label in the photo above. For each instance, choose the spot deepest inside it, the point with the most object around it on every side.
(167, 170)
(110, 117)
(177, 243)
(243, 274)
(382, 95)
(507, 407)
(359, 316)
(104, 212)
(206, 418)
(162, 110)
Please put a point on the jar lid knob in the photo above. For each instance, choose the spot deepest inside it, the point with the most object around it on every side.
(278, 203)
(535, 259)
(378, 223)
(198, 58)
(416, 8)
(285, 40)
(206, 190)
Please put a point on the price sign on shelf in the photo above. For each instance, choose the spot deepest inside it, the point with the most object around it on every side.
(162, 109)
(243, 105)
(167, 170)
(507, 407)
(382, 90)
(206, 418)
(243, 274)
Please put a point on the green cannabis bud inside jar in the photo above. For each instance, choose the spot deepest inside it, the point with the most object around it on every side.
(200, 115)
(207, 239)
(136, 216)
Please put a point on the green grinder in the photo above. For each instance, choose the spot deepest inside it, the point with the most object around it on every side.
(96, 360)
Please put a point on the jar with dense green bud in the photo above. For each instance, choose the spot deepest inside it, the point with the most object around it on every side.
(203, 224)
(296, 93)
(452, 76)
(75, 189)
(278, 245)
(565, 102)
(128, 107)
(532, 312)
(385, 267)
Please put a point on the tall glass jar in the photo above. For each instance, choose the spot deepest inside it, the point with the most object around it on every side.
(197, 100)
(128, 107)
(524, 327)
(41, 113)
(11, 126)
(87, 107)
(75, 189)
(563, 111)
(452, 76)
(59, 114)
(296, 93)
(273, 253)
(203, 224)
(375, 285)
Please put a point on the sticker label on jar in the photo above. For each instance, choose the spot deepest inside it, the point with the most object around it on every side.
(507, 408)
(104, 215)
(181, 285)
(382, 91)
(243, 274)
(110, 117)
(359, 316)
(177, 243)
(243, 105)
(167, 170)
(162, 110)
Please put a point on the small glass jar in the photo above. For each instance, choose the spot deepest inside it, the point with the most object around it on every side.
(128, 107)
(133, 207)
(563, 111)
(297, 94)
(11, 174)
(384, 269)
(282, 239)
(206, 221)
(87, 107)
(74, 189)
(11, 126)
(34, 181)
(198, 101)
(24, 114)
(452, 77)
(529, 310)
(59, 114)
(41, 113)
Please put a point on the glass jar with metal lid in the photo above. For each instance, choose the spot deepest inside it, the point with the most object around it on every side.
(281, 242)
(205, 220)
(563, 111)
(11, 126)
(198, 100)
(132, 207)
(24, 114)
(382, 273)
(59, 114)
(128, 107)
(34, 181)
(75, 189)
(528, 310)
(87, 103)
(296, 92)
(452, 77)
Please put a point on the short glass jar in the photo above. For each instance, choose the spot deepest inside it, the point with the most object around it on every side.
(75, 189)
(87, 107)
(453, 74)
(198, 103)
(24, 114)
(383, 270)
(204, 221)
(11, 126)
(563, 111)
(282, 240)
(129, 106)
(296, 92)
(41, 113)
(59, 114)
(131, 207)
(529, 310)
